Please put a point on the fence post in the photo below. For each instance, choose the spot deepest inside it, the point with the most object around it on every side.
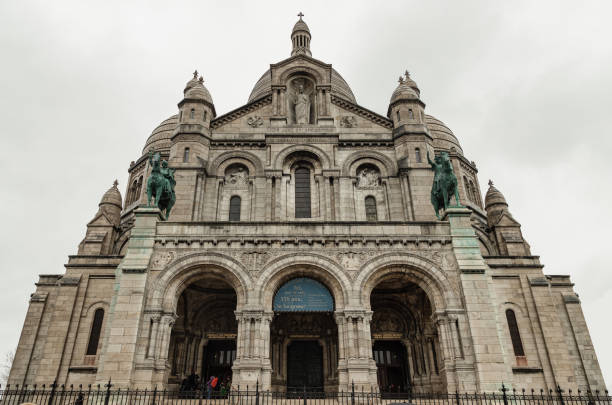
(52, 393)
(304, 398)
(457, 398)
(560, 392)
(257, 392)
(505, 397)
(154, 395)
(352, 392)
(107, 396)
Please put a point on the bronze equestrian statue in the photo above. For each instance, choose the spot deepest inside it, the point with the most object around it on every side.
(160, 184)
(444, 183)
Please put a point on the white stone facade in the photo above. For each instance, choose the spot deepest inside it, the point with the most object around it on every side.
(436, 294)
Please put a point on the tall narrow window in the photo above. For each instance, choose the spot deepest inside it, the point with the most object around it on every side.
(204, 115)
(397, 114)
(435, 356)
(517, 344)
(302, 192)
(234, 209)
(192, 113)
(94, 335)
(186, 155)
(410, 113)
(417, 152)
(370, 209)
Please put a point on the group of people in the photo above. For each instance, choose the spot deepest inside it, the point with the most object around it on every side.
(220, 387)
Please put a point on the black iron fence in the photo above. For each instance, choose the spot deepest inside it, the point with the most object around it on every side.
(105, 395)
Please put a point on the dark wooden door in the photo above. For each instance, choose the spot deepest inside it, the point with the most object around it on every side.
(392, 367)
(218, 359)
(304, 366)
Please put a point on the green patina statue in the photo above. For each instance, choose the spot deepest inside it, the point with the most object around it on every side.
(160, 184)
(444, 183)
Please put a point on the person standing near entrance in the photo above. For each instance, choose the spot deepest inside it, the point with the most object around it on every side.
(210, 385)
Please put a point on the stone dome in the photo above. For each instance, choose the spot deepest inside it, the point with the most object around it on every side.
(160, 137)
(339, 87)
(300, 25)
(112, 196)
(443, 137)
(494, 197)
(199, 92)
(403, 92)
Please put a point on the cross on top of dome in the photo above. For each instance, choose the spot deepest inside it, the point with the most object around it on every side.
(300, 14)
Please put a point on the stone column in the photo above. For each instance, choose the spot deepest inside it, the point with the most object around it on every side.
(126, 312)
(252, 364)
(356, 343)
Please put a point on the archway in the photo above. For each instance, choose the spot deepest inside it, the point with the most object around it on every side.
(203, 338)
(304, 337)
(405, 341)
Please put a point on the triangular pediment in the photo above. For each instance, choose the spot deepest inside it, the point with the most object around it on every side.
(362, 112)
(240, 112)
(101, 219)
(505, 219)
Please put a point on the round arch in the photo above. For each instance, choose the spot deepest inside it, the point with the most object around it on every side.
(423, 273)
(313, 266)
(188, 269)
(252, 162)
(386, 166)
(279, 161)
(302, 70)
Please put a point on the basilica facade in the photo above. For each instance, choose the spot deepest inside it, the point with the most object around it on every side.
(303, 250)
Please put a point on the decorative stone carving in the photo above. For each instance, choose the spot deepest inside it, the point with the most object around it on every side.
(236, 176)
(300, 101)
(255, 121)
(160, 259)
(348, 121)
(368, 177)
(255, 259)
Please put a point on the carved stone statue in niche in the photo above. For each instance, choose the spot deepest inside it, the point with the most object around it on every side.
(236, 176)
(368, 177)
(300, 101)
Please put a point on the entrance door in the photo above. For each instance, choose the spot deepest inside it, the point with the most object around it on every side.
(218, 359)
(390, 357)
(304, 366)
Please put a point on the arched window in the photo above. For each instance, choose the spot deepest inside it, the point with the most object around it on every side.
(474, 194)
(192, 114)
(234, 208)
(204, 115)
(398, 117)
(94, 335)
(417, 152)
(517, 344)
(370, 209)
(186, 155)
(302, 192)
(410, 113)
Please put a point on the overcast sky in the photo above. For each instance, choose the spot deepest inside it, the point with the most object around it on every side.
(525, 85)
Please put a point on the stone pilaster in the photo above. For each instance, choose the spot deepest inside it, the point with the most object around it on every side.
(481, 315)
(355, 362)
(126, 313)
(252, 364)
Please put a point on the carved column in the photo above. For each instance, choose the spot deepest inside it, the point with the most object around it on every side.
(252, 364)
(358, 366)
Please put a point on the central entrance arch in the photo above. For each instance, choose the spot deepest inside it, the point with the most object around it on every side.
(304, 337)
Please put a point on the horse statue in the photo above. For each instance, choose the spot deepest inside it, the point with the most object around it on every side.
(444, 183)
(160, 184)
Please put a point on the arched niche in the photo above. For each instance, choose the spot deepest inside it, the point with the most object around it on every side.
(301, 100)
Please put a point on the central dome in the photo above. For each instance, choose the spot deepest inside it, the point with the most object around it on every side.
(339, 87)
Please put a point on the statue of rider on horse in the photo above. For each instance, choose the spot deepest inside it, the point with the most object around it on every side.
(160, 184)
(444, 183)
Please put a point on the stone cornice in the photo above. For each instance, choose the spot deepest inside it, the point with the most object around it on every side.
(362, 112)
(240, 111)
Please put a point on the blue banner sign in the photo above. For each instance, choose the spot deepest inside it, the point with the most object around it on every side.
(303, 295)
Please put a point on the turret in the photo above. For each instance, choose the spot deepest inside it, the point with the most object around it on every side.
(505, 229)
(300, 38)
(102, 229)
(197, 106)
(406, 107)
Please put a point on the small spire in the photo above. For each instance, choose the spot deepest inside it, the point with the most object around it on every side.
(401, 80)
(115, 183)
(195, 74)
(407, 74)
(201, 79)
(490, 183)
(300, 14)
